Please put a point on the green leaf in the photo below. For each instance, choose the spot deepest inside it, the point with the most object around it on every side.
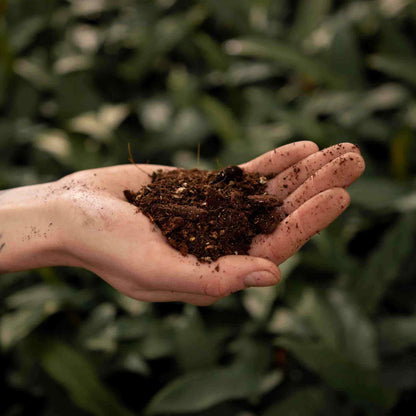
(251, 353)
(331, 253)
(17, 325)
(198, 391)
(7, 61)
(133, 362)
(164, 36)
(309, 14)
(406, 203)
(193, 345)
(359, 336)
(211, 51)
(361, 384)
(385, 97)
(302, 123)
(401, 152)
(25, 101)
(305, 402)
(403, 68)
(399, 373)
(158, 342)
(41, 295)
(188, 128)
(183, 87)
(393, 41)
(397, 333)
(76, 95)
(132, 328)
(315, 309)
(34, 73)
(383, 266)
(222, 119)
(286, 55)
(345, 57)
(377, 193)
(229, 13)
(285, 322)
(259, 300)
(25, 33)
(76, 374)
(98, 332)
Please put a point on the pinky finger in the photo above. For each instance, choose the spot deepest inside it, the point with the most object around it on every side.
(302, 224)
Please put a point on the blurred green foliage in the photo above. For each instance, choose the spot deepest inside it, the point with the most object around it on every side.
(80, 79)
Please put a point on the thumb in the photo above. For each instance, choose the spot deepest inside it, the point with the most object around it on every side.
(227, 275)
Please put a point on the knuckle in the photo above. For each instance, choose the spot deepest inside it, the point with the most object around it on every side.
(216, 288)
(299, 225)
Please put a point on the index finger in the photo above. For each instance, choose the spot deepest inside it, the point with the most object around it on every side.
(277, 160)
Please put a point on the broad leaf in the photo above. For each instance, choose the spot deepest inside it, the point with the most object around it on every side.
(345, 58)
(359, 337)
(194, 348)
(41, 295)
(222, 119)
(286, 55)
(77, 375)
(339, 372)
(399, 67)
(201, 390)
(309, 14)
(99, 332)
(305, 402)
(377, 193)
(323, 318)
(384, 264)
(397, 333)
(259, 300)
(15, 326)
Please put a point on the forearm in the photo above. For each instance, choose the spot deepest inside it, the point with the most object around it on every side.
(30, 229)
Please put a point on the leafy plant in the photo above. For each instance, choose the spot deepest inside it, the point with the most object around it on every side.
(80, 80)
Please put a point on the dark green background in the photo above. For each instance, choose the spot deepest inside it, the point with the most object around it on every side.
(81, 79)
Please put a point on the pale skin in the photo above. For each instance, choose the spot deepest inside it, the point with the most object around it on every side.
(83, 220)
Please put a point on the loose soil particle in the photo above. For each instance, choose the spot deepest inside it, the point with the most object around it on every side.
(208, 213)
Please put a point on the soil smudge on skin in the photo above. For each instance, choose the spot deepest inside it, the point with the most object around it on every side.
(208, 213)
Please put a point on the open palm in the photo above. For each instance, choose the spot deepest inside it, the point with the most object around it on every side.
(107, 235)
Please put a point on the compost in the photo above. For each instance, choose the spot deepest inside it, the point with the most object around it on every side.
(208, 213)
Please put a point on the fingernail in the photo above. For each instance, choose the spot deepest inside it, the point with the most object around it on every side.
(262, 278)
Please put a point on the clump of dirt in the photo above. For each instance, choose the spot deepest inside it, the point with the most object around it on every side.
(208, 213)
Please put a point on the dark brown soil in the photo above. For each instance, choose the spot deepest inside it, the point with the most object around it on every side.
(208, 213)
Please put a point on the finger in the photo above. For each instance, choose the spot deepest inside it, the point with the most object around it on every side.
(281, 158)
(293, 232)
(171, 296)
(287, 181)
(339, 173)
(217, 279)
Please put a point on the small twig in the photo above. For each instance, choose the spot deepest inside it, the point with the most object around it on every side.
(131, 160)
(182, 210)
(270, 200)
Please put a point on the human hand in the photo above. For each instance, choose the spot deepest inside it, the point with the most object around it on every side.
(88, 223)
(107, 235)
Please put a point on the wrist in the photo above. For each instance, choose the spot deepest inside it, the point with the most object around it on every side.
(31, 229)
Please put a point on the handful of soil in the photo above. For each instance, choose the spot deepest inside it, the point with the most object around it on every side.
(208, 213)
